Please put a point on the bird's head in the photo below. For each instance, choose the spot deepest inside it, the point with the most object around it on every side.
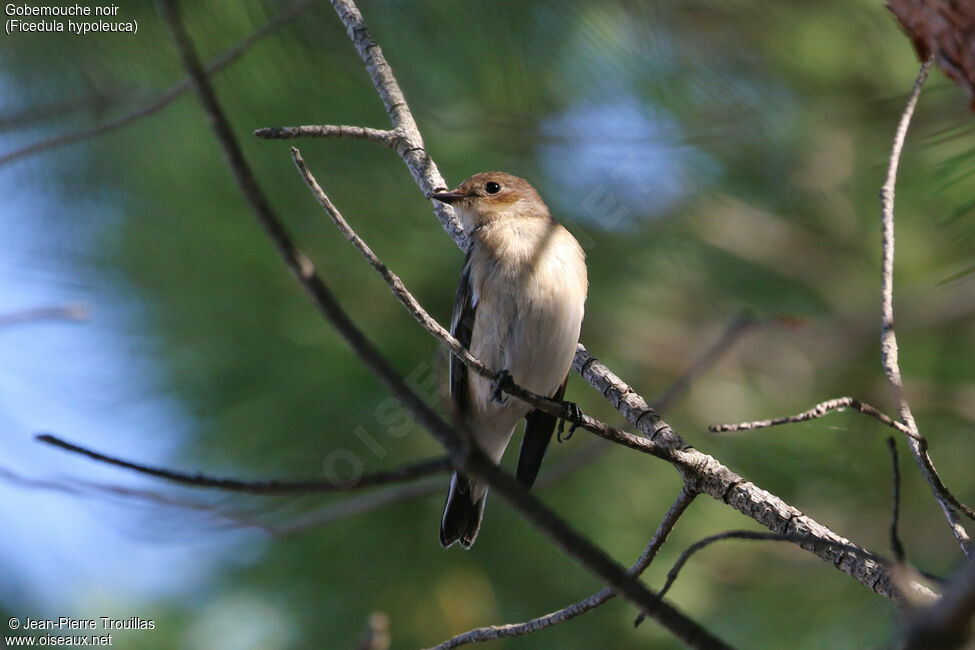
(493, 196)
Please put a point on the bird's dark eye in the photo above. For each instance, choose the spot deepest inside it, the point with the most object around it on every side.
(492, 188)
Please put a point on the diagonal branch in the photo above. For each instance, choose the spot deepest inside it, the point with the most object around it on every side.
(465, 456)
(163, 100)
(888, 338)
(683, 500)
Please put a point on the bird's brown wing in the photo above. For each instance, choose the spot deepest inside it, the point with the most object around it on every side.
(538, 432)
(462, 326)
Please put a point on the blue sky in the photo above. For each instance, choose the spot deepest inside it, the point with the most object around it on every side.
(84, 381)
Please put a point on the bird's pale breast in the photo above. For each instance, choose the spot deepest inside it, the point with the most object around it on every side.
(530, 287)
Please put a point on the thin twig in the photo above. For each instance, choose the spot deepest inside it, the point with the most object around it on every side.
(165, 98)
(888, 338)
(465, 456)
(490, 632)
(818, 411)
(896, 547)
(385, 137)
(409, 472)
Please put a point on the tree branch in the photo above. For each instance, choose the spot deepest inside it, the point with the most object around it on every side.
(818, 411)
(465, 456)
(888, 339)
(569, 612)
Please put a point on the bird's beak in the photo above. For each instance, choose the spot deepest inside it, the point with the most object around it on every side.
(446, 197)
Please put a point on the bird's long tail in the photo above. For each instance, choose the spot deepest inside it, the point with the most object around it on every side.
(463, 511)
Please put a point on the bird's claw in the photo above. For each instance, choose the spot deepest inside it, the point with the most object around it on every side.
(575, 414)
(503, 382)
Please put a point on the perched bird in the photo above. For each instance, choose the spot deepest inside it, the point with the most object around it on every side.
(519, 309)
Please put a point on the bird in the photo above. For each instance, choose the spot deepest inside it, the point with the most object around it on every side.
(519, 309)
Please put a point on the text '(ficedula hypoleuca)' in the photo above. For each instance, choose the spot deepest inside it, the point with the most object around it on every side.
(519, 309)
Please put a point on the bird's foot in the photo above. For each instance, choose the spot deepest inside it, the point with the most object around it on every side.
(575, 414)
(503, 382)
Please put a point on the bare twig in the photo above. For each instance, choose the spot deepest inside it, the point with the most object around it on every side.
(385, 137)
(896, 547)
(409, 472)
(163, 100)
(465, 456)
(888, 339)
(818, 411)
(76, 312)
(487, 633)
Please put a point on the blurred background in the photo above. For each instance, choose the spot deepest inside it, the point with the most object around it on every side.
(716, 159)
